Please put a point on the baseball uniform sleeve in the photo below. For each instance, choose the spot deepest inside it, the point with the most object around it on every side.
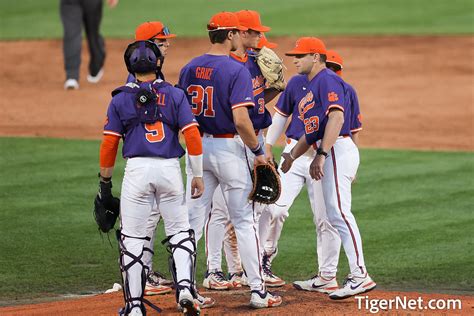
(285, 103)
(356, 123)
(113, 125)
(241, 90)
(186, 117)
(331, 95)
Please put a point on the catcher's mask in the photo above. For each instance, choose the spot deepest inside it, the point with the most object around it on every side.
(142, 57)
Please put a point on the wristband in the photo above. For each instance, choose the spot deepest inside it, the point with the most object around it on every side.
(103, 179)
(257, 151)
(320, 151)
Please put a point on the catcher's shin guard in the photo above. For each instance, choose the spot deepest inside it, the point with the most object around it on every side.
(130, 301)
(187, 243)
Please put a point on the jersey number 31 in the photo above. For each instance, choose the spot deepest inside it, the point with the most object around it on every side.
(198, 93)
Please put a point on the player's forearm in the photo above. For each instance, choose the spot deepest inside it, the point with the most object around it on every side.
(300, 148)
(108, 152)
(194, 147)
(276, 129)
(270, 94)
(333, 129)
(355, 138)
(244, 127)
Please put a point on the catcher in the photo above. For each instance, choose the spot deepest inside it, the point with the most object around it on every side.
(148, 116)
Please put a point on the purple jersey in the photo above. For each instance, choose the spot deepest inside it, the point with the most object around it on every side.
(325, 92)
(356, 123)
(159, 139)
(259, 115)
(288, 104)
(216, 85)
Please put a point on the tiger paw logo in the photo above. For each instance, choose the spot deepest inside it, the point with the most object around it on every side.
(332, 97)
(106, 120)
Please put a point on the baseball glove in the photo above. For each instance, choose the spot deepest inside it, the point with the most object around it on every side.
(106, 208)
(271, 67)
(266, 184)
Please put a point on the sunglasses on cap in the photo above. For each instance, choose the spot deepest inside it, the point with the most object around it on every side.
(164, 31)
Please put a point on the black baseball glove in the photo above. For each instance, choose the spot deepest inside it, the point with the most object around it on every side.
(266, 184)
(106, 207)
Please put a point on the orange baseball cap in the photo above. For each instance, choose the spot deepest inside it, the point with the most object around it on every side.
(335, 58)
(264, 42)
(308, 45)
(251, 20)
(151, 30)
(225, 21)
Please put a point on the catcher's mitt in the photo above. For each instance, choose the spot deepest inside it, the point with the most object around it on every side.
(106, 212)
(271, 67)
(266, 184)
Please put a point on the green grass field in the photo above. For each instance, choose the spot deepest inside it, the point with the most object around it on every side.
(414, 210)
(29, 19)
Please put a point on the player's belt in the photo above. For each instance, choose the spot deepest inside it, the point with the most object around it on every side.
(228, 135)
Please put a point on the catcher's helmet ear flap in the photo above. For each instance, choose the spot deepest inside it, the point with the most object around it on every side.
(142, 57)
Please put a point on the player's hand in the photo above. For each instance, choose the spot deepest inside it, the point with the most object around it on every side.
(287, 162)
(260, 160)
(197, 187)
(268, 153)
(316, 167)
(112, 3)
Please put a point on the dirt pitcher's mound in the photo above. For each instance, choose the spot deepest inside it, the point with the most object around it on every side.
(294, 303)
(415, 92)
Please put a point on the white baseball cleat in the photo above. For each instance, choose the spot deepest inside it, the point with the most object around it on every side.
(187, 303)
(317, 284)
(71, 84)
(96, 78)
(157, 277)
(216, 281)
(235, 279)
(153, 285)
(136, 311)
(204, 302)
(352, 286)
(264, 299)
(271, 280)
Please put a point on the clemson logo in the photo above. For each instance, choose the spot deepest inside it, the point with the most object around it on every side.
(359, 117)
(106, 120)
(332, 97)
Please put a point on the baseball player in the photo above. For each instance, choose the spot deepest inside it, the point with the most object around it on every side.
(328, 241)
(156, 282)
(325, 109)
(148, 115)
(220, 92)
(218, 221)
(335, 62)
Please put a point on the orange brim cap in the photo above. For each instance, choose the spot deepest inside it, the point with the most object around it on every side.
(335, 58)
(308, 45)
(225, 21)
(264, 42)
(151, 30)
(251, 20)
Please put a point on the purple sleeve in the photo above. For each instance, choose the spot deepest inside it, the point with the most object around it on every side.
(285, 103)
(356, 124)
(241, 90)
(331, 95)
(113, 124)
(186, 117)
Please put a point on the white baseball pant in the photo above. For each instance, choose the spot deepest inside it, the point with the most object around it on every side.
(224, 163)
(328, 243)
